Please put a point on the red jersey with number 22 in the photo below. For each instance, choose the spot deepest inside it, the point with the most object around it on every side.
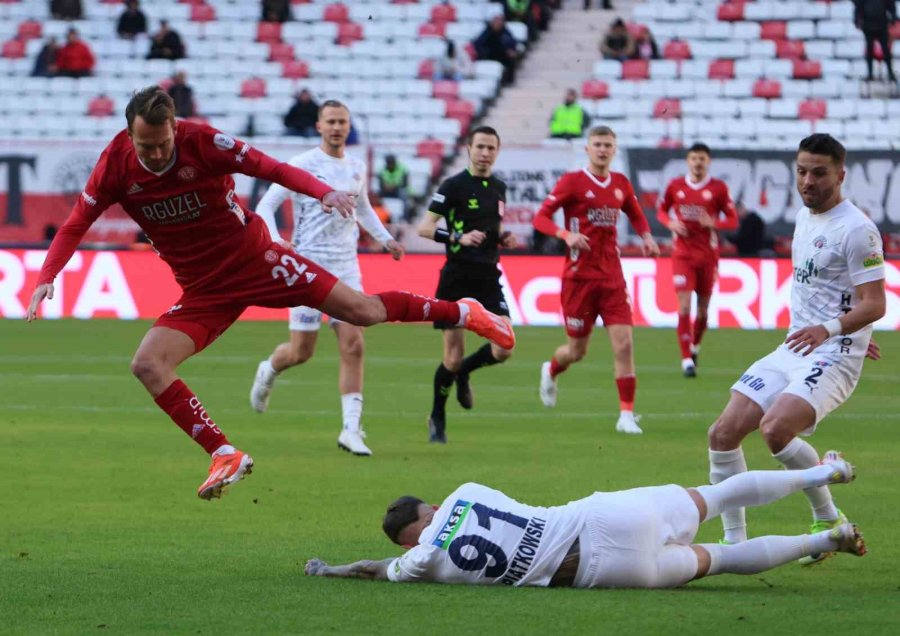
(592, 208)
(690, 201)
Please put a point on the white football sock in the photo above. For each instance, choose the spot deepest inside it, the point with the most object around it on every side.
(351, 406)
(764, 553)
(759, 487)
(224, 449)
(797, 455)
(463, 314)
(722, 465)
(269, 369)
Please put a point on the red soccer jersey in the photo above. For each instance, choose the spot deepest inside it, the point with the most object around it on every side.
(592, 208)
(189, 211)
(690, 201)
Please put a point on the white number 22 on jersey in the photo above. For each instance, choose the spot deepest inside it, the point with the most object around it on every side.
(282, 271)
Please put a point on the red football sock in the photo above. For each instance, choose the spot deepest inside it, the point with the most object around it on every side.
(627, 387)
(403, 306)
(699, 330)
(684, 335)
(180, 403)
(556, 368)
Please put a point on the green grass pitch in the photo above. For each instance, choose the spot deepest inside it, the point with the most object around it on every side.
(101, 530)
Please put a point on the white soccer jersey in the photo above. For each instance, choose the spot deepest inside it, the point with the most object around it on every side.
(832, 253)
(326, 238)
(480, 536)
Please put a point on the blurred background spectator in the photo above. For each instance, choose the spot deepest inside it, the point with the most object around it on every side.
(750, 239)
(604, 4)
(301, 118)
(45, 62)
(534, 14)
(393, 180)
(569, 119)
(873, 18)
(276, 10)
(182, 95)
(617, 44)
(166, 44)
(498, 44)
(645, 47)
(74, 58)
(66, 9)
(454, 65)
(132, 21)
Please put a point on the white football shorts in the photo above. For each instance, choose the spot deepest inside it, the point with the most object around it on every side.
(638, 538)
(304, 318)
(825, 380)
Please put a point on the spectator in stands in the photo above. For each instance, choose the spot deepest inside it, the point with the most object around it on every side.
(569, 119)
(302, 117)
(535, 14)
(604, 4)
(74, 58)
(617, 44)
(166, 44)
(66, 9)
(645, 47)
(874, 17)
(453, 65)
(182, 95)
(393, 180)
(750, 238)
(276, 10)
(498, 44)
(132, 21)
(45, 62)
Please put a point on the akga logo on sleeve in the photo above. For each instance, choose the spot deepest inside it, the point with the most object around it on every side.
(452, 524)
(223, 141)
(873, 260)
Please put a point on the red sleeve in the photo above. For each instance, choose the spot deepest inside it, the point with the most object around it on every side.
(96, 197)
(543, 220)
(229, 155)
(662, 210)
(726, 207)
(633, 210)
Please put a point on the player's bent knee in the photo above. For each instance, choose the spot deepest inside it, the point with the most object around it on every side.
(146, 369)
(354, 348)
(724, 434)
(776, 432)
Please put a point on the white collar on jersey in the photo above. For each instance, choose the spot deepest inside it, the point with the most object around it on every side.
(164, 170)
(603, 184)
(698, 185)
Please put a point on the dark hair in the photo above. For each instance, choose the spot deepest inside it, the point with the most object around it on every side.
(153, 104)
(700, 147)
(598, 131)
(824, 144)
(400, 514)
(484, 130)
(332, 103)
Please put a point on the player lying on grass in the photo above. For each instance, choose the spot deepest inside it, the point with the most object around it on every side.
(632, 538)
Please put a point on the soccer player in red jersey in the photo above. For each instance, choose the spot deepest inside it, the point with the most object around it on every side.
(592, 199)
(174, 179)
(702, 205)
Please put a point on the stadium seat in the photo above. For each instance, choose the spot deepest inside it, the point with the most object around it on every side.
(677, 50)
(462, 111)
(775, 30)
(635, 69)
(294, 69)
(730, 11)
(443, 13)
(14, 49)
(721, 69)
(281, 52)
(253, 87)
(790, 49)
(445, 89)
(349, 32)
(595, 89)
(336, 13)
(203, 13)
(29, 29)
(807, 69)
(426, 69)
(101, 106)
(667, 109)
(268, 32)
(767, 89)
(432, 30)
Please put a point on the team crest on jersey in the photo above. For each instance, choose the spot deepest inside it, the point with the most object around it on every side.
(271, 256)
(619, 194)
(188, 173)
(819, 242)
(707, 195)
(223, 141)
(680, 194)
(873, 240)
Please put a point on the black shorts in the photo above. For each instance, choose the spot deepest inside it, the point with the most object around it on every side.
(475, 280)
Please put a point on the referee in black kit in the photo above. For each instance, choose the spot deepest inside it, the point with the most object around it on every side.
(472, 203)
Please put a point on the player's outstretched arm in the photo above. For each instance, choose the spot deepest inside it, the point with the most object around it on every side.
(374, 570)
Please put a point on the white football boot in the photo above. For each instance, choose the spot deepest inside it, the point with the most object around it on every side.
(548, 386)
(628, 423)
(262, 387)
(352, 442)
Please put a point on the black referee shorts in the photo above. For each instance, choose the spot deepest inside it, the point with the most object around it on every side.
(471, 280)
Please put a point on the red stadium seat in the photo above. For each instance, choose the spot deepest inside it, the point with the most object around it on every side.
(281, 52)
(268, 32)
(595, 89)
(667, 108)
(432, 29)
(807, 69)
(775, 30)
(894, 31)
(877, 53)
(812, 109)
(14, 49)
(767, 89)
(636, 29)
(192, 1)
(470, 49)
(101, 106)
(203, 13)
(294, 69)
(730, 11)
(790, 49)
(635, 69)
(667, 142)
(336, 13)
(677, 50)
(462, 111)
(253, 87)
(443, 13)
(430, 147)
(426, 69)
(29, 29)
(349, 32)
(721, 69)
(445, 89)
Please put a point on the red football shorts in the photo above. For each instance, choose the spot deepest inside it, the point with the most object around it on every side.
(695, 276)
(584, 300)
(276, 277)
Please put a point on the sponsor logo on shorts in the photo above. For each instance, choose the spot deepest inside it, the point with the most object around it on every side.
(680, 280)
(873, 260)
(223, 141)
(437, 197)
(271, 256)
(310, 277)
(448, 530)
(309, 319)
(575, 323)
(754, 382)
(822, 363)
(188, 173)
